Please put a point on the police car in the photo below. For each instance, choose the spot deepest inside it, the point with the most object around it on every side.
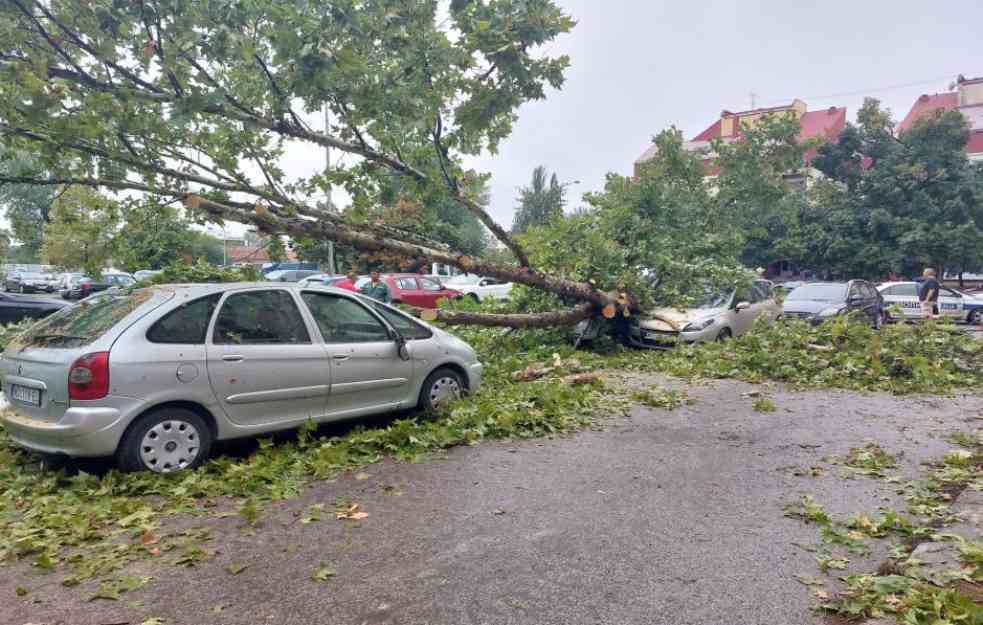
(952, 303)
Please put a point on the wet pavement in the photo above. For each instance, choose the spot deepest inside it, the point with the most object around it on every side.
(660, 517)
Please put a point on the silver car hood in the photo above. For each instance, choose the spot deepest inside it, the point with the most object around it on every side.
(674, 319)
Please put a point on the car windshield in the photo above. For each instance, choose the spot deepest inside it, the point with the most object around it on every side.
(32, 276)
(79, 325)
(463, 279)
(818, 293)
(713, 299)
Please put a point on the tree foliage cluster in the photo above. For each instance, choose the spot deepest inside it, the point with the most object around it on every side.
(894, 203)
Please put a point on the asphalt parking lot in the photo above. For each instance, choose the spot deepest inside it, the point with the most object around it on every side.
(661, 517)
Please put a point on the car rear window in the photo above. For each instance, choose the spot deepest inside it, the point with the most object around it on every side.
(83, 323)
(186, 324)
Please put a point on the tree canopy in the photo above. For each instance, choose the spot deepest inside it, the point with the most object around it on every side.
(895, 203)
(198, 101)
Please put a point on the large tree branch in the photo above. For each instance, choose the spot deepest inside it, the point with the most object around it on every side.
(533, 320)
(144, 165)
(371, 241)
(78, 41)
(293, 129)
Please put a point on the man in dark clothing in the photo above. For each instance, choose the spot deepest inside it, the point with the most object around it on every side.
(928, 295)
(377, 289)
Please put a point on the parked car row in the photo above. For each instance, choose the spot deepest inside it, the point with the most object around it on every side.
(410, 288)
(721, 315)
(98, 378)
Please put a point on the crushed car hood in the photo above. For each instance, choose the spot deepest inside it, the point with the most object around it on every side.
(674, 320)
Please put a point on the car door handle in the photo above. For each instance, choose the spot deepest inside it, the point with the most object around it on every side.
(340, 356)
(233, 358)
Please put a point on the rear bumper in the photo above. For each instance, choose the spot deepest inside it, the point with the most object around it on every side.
(91, 432)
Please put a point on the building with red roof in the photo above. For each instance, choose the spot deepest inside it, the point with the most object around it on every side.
(967, 99)
(824, 124)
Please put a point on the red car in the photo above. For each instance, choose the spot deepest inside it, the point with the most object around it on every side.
(414, 290)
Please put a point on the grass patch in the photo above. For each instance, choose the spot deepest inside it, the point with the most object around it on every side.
(667, 399)
(900, 358)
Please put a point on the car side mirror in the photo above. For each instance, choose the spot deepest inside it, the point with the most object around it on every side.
(742, 306)
(401, 348)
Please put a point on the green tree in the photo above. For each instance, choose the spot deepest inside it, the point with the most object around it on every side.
(26, 206)
(539, 203)
(202, 246)
(151, 237)
(81, 231)
(918, 203)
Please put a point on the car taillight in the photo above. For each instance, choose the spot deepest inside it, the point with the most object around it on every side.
(89, 377)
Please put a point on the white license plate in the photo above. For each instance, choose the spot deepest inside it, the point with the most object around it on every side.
(24, 394)
(659, 338)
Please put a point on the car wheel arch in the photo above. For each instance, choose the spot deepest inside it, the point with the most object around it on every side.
(193, 406)
(457, 368)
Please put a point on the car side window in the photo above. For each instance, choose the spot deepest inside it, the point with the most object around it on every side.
(949, 293)
(186, 324)
(748, 294)
(408, 328)
(407, 284)
(904, 290)
(260, 318)
(764, 290)
(430, 285)
(343, 320)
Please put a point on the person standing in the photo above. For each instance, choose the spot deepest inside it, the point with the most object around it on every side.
(928, 294)
(376, 289)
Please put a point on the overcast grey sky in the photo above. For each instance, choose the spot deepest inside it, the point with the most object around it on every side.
(638, 66)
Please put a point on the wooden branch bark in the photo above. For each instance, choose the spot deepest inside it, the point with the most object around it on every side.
(532, 320)
(369, 241)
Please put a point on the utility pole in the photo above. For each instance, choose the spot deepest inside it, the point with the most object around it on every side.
(329, 205)
(754, 100)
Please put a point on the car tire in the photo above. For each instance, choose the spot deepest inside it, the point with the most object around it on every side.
(165, 440)
(441, 385)
(724, 335)
(474, 297)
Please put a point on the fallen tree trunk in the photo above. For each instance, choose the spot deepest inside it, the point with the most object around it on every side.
(367, 241)
(524, 320)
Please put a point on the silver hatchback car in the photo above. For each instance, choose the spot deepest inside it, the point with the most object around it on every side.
(154, 376)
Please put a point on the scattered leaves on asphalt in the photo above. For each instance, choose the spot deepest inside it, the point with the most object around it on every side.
(323, 572)
(111, 589)
(763, 404)
(352, 512)
(235, 568)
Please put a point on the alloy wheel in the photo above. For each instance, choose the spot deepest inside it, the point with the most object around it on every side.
(170, 446)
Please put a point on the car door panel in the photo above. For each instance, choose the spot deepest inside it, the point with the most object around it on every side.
(950, 304)
(409, 292)
(262, 365)
(367, 373)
